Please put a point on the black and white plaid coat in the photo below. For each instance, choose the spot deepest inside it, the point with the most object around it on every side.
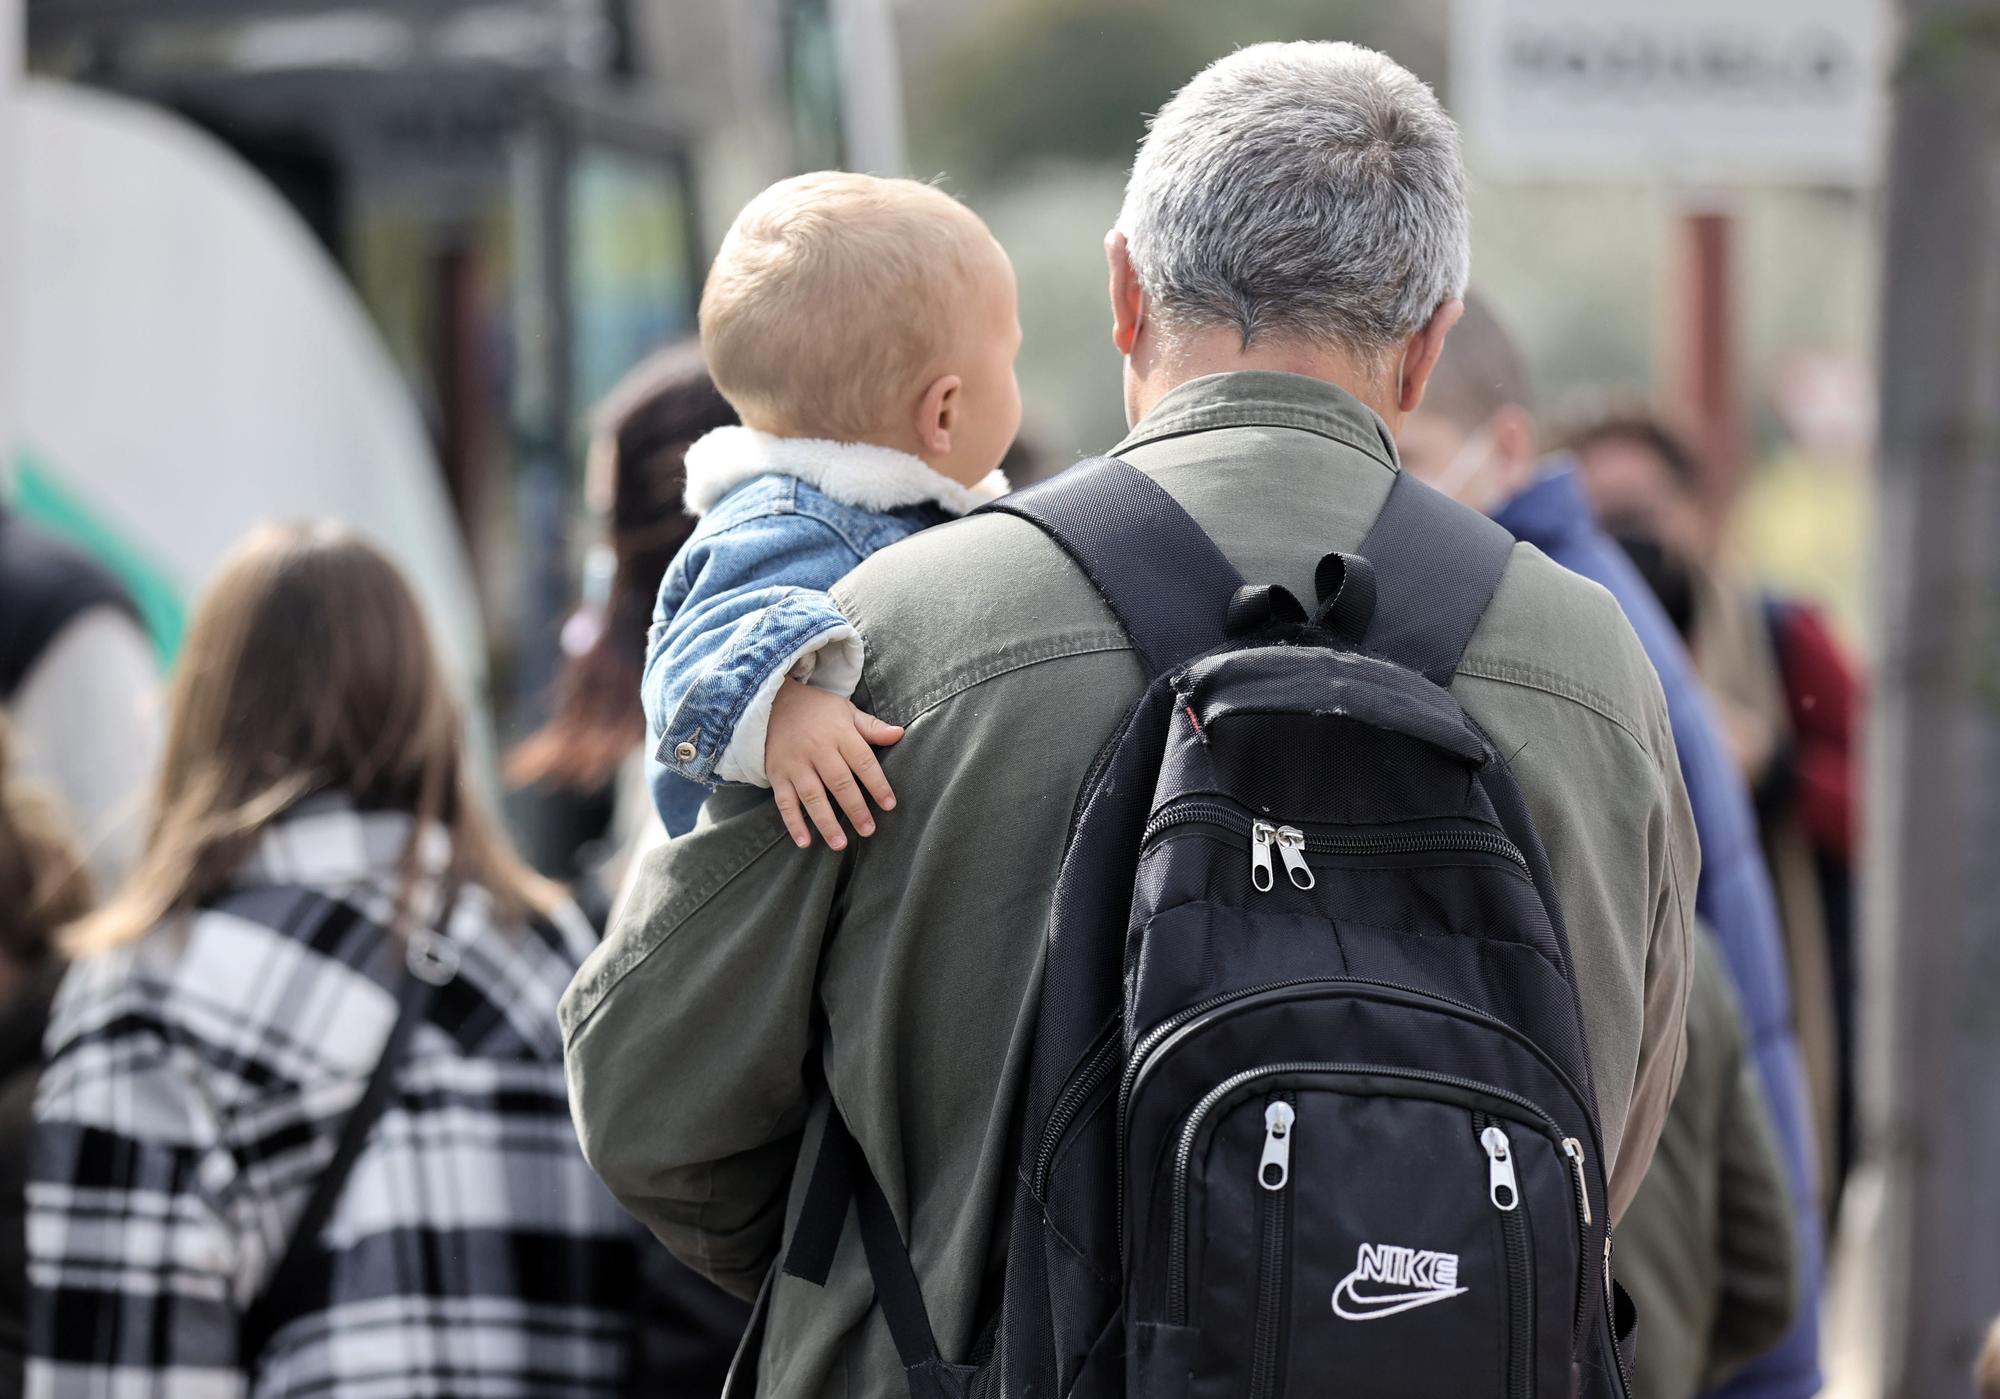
(195, 1087)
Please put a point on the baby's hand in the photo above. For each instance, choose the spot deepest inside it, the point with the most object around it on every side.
(819, 743)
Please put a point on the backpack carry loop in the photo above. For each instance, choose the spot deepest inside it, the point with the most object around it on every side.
(431, 961)
(1346, 587)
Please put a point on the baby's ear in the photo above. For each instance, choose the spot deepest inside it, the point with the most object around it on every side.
(937, 415)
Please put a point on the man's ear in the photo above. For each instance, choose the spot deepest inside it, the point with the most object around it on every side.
(1420, 354)
(1128, 302)
(937, 415)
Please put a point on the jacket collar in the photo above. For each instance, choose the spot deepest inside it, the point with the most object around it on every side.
(329, 841)
(1552, 511)
(1265, 398)
(859, 474)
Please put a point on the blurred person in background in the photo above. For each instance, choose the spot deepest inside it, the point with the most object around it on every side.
(594, 746)
(80, 686)
(1475, 438)
(1789, 700)
(1710, 1250)
(324, 930)
(596, 742)
(43, 885)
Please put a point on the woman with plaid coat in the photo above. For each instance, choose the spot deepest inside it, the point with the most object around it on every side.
(226, 1011)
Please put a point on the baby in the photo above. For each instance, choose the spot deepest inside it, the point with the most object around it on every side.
(865, 332)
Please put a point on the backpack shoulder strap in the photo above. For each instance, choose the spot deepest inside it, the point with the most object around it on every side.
(1437, 565)
(1158, 570)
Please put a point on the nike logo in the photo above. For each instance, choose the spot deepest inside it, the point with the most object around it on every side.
(1420, 1276)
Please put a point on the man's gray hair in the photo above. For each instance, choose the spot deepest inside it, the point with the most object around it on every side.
(1302, 191)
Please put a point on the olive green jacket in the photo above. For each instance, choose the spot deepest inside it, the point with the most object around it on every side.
(744, 973)
(1708, 1250)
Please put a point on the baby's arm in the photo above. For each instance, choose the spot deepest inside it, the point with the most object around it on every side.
(741, 612)
(820, 744)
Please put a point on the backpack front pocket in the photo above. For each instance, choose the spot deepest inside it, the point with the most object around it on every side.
(1336, 1227)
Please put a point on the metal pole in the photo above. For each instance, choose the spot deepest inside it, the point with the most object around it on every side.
(1932, 915)
(1705, 359)
(544, 408)
(871, 85)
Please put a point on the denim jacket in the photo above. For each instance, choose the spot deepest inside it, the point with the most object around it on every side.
(744, 603)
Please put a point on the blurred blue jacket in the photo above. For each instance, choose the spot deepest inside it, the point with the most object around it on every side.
(1734, 895)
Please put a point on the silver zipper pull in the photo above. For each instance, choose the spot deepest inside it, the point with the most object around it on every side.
(1292, 849)
(1500, 1183)
(1276, 1167)
(1262, 873)
(1573, 1149)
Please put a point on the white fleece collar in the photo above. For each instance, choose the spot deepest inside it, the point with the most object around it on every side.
(854, 473)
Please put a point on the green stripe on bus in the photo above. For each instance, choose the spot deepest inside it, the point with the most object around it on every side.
(41, 495)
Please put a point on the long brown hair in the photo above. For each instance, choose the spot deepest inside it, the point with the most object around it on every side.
(43, 881)
(643, 432)
(307, 668)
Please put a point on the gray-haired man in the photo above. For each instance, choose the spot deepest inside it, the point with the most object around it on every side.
(1284, 273)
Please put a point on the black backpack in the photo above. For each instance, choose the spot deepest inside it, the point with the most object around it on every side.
(1310, 1110)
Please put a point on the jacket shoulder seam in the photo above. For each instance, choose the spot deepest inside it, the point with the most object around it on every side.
(977, 674)
(1529, 676)
(980, 670)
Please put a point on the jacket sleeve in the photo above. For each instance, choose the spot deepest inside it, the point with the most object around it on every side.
(707, 981)
(739, 611)
(1673, 861)
(132, 1256)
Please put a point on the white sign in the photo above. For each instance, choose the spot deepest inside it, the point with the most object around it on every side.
(1688, 90)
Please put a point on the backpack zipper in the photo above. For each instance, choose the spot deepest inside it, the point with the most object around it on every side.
(1611, 1325)
(1504, 1190)
(1096, 1069)
(1292, 844)
(1573, 1149)
(1274, 1174)
(1158, 1034)
(1263, 835)
(1177, 1241)
(1291, 849)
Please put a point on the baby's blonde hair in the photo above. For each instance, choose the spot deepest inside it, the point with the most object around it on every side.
(834, 298)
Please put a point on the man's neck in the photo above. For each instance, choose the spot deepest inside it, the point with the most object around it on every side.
(1156, 369)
